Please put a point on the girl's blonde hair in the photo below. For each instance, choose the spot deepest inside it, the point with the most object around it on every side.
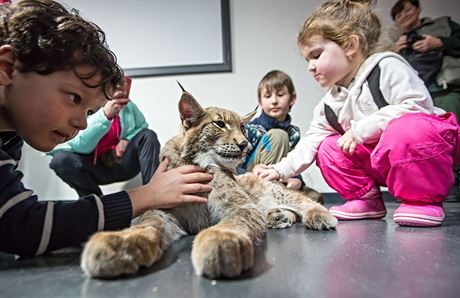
(337, 20)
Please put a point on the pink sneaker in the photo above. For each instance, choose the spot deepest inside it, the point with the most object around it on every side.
(360, 209)
(418, 214)
(368, 206)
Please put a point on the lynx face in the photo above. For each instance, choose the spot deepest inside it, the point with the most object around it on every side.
(213, 136)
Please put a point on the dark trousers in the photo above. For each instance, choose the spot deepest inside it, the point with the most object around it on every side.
(79, 172)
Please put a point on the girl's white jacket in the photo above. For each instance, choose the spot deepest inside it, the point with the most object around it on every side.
(355, 108)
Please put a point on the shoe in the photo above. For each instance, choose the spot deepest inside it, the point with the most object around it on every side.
(360, 209)
(369, 206)
(417, 214)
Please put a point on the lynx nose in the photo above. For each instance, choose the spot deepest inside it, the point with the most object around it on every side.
(242, 145)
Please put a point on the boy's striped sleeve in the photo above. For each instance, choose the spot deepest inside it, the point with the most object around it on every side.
(32, 227)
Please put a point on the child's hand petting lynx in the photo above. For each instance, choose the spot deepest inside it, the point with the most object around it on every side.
(173, 187)
(266, 172)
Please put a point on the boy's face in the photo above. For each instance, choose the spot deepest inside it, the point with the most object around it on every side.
(327, 62)
(409, 17)
(46, 110)
(276, 103)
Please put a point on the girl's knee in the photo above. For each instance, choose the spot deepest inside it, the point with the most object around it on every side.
(328, 147)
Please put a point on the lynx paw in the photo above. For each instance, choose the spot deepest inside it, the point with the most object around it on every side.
(223, 253)
(319, 218)
(110, 254)
(278, 218)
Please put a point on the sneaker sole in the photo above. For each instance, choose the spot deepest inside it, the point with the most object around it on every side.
(417, 220)
(353, 216)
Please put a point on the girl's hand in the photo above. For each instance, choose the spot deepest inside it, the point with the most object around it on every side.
(171, 188)
(265, 172)
(114, 106)
(348, 142)
(293, 183)
(121, 147)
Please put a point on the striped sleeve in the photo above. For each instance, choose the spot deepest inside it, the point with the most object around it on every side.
(29, 226)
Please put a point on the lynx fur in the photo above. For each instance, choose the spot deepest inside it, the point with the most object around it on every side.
(239, 208)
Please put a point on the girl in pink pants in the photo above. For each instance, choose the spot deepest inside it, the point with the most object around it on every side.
(376, 125)
(413, 158)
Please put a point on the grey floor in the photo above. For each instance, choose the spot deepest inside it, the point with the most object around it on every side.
(359, 259)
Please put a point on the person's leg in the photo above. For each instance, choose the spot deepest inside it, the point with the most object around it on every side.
(143, 154)
(417, 163)
(76, 170)
(271, 149)
(352, 177)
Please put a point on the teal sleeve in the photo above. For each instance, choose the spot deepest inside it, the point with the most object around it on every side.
(133, 122)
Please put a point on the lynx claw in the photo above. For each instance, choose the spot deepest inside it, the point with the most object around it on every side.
(221, 253)
(319, 219)
(110, 254)
(278, 218)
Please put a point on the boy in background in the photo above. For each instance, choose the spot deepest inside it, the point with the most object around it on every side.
(272, 135)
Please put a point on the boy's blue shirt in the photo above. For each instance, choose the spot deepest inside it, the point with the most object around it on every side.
(258, 127)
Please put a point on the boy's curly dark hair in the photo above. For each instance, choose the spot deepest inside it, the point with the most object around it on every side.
(46, 37)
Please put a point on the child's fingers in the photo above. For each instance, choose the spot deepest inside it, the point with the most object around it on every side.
(190, 169)
(162, 166)
(197, 177)
(193, 199)
(196, 188)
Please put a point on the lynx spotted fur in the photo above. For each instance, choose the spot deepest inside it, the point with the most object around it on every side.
(239, 208)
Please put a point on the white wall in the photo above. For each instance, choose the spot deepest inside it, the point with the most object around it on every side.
(263, 38)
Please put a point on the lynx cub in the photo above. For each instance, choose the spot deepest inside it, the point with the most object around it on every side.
(238, 211)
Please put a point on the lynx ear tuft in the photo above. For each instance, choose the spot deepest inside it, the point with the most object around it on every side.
(190, 110)
(246, 118)
(183, 90)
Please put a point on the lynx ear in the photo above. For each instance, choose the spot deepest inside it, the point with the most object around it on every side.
(190, 110)
(246, 118)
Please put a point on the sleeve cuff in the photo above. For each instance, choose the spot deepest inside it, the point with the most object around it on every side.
(117, 211)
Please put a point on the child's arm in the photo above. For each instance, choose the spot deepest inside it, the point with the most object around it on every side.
(133, 121)
(303, 155)
(30, 227)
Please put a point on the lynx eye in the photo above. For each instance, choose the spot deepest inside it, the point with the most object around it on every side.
(242, 128)
(219, 123)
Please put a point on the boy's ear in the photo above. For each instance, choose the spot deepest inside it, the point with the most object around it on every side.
(352, 46)
(293, 100)
(7, 60)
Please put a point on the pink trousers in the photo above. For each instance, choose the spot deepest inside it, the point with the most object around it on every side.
(413, 158)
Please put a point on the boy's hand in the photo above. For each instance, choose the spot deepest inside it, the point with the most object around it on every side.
(265, 172)
(171, 188)
(348, 142)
